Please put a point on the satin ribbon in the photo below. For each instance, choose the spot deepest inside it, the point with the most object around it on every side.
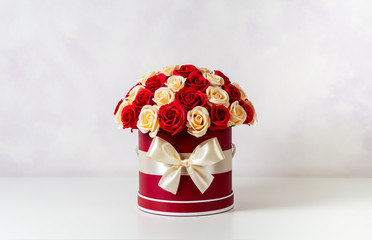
(205, 154)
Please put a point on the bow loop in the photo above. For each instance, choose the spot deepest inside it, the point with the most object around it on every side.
(162, 151)
(206, 153)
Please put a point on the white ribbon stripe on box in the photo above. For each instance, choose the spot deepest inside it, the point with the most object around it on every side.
(206, 159)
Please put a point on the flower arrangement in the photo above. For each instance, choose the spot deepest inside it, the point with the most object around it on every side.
(180, 97)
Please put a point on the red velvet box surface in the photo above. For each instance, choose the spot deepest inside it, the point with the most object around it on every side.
(188, 201)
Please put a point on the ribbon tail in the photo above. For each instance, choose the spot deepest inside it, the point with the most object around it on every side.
(171, 179)
(201, 178)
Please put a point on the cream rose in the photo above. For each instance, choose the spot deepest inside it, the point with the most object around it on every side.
(133, 93)
(146, 76)
(168, 70)
(214, 80)
(205, 70)
(163, 96)
(218, 96)
(175, 83)
(237, 114)
(198, 121)
(242, 93)
(118, 113)
(148, 120)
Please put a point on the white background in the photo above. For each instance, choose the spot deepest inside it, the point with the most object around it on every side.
(306, 65)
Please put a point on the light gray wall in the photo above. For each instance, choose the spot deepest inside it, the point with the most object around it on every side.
(306, 65)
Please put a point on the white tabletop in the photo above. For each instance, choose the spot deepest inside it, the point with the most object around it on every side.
(265, 208)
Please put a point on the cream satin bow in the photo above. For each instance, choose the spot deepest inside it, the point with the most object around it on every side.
(206, 153)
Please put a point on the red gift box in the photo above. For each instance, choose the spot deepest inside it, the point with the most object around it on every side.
(188, 199)
(184, 115)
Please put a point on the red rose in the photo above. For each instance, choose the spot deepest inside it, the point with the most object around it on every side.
(190, 97)
(196, 80)
(218, 73)
(185, 70)
(155, 82)
(129, 116)
(233, 92)
(219, 115)
(117, 106)
(143, 97)
(249, 110)
(172, 117)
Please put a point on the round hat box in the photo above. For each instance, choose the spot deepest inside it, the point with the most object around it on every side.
(188, 199)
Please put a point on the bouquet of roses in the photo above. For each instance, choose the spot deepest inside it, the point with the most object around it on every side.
(180, 97)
